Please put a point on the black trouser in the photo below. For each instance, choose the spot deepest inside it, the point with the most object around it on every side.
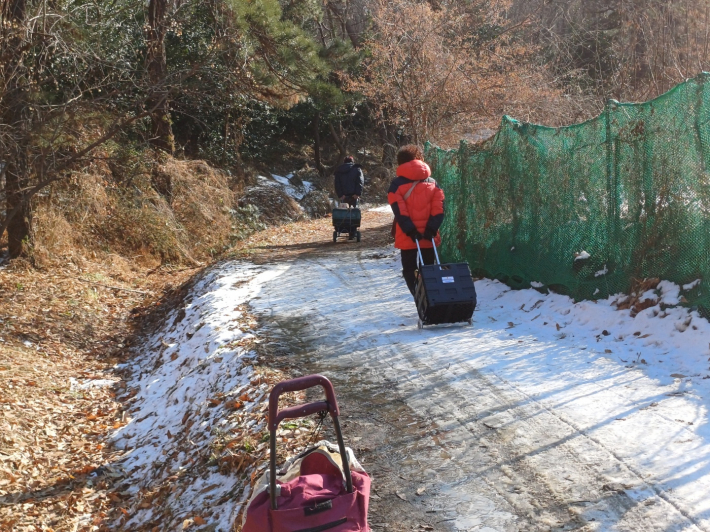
(409, 264)
(350, 200)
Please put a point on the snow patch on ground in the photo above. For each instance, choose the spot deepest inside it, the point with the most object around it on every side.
(638, 385)
(692, 285)
(195, 357)
(670, 293)
(296, 191)
(381, 208)
(74, 384)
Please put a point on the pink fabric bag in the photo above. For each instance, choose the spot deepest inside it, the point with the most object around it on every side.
(313, 501)
(322, 489)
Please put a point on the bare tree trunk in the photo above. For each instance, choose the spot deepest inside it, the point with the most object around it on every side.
(342, 150)
(389, 141)
(316, 144)
(389, 148)
(352, 28)
(14, 117)
(162, 137)
(16, 182)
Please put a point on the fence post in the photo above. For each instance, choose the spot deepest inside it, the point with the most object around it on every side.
(612, 185)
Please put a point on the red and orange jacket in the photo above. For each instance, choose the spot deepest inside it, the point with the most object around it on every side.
(424, 209)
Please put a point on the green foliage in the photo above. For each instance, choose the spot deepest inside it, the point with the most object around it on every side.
(94, 50)
(227, 63)
(277, 51)
(239, 75)
(241, 93)
(302, 12)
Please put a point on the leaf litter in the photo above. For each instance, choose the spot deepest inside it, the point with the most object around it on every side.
(60, 333)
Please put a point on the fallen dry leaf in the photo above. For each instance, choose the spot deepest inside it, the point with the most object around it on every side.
(233, 404)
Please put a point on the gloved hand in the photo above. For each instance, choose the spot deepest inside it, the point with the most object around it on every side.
(428, 234)
(414, 234)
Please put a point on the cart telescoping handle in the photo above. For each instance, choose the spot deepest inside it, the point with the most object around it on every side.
(419, 252)
(294, 412)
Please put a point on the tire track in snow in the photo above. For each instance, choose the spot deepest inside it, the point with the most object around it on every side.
(618, 511)
(638, 474)
(617, 505)
(505, 470)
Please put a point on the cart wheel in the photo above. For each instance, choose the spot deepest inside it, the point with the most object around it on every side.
(357, 236)
(420, 324)
(335, 236)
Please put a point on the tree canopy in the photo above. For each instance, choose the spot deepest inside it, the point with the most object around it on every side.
(235, 81)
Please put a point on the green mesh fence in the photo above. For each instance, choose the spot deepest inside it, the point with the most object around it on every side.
(630, 187)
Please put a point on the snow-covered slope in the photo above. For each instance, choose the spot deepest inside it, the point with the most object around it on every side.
(193, 389)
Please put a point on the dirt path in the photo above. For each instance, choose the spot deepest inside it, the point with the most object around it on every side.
(312, 238)
(62, 330)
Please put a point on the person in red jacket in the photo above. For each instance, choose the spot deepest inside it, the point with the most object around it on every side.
(418, 206)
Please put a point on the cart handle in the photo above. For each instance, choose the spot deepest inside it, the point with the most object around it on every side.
(298, 411)
(297, 385)
(419, 252)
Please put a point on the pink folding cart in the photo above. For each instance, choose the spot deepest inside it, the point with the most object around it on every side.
(323, 488)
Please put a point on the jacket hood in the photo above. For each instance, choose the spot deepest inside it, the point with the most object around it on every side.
(415, 170)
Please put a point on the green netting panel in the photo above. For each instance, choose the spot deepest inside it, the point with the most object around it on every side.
(630, 187)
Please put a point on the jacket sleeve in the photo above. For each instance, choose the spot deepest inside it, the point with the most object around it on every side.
(395, 197)
(338, 185)
(359, 182)
(436, 214)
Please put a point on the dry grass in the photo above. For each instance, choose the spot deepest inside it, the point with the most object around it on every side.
(95, 215)
(63, 324)
(97, 245)
(202, 204)
(274, 205)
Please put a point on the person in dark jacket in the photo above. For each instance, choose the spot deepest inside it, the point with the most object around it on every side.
(349, 181)
(418, 206)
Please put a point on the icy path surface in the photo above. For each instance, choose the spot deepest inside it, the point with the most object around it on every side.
(550, 415)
